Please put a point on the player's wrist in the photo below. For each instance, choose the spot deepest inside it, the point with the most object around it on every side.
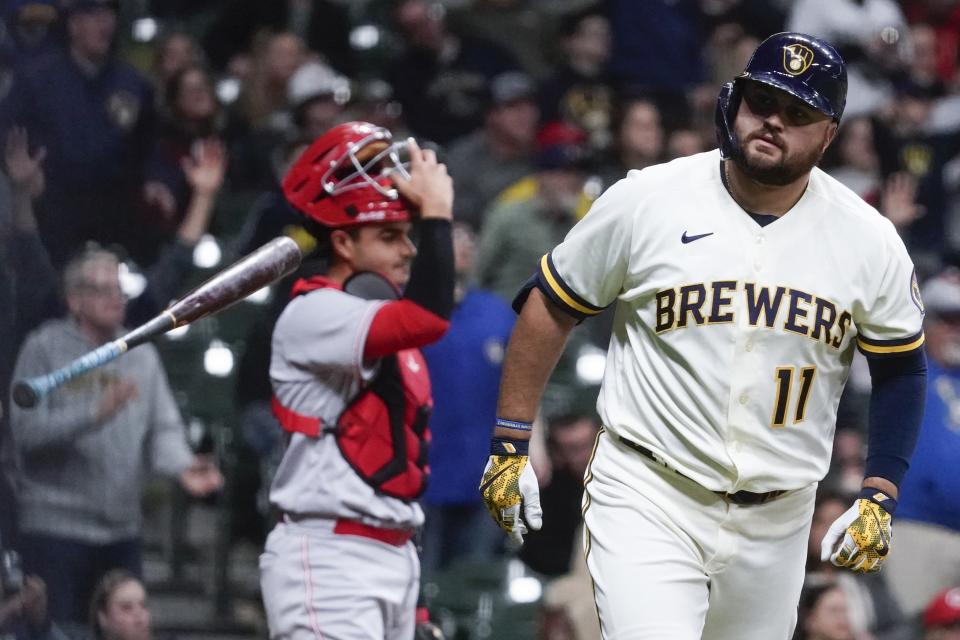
(502, 446)
(880, 497)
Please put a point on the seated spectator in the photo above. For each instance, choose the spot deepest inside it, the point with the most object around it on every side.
(685, 141)
(190, 131)
(941, 618)
(905, 144)
(871, 35)
(118, 608)
(175, 52)
(457, 522)
(94, 114)
(260, 119)
(323, 25)
(824, 613)
(441, 78)
(580, 92)
(32, 25)
(852, 159)
(23, 612)
(570, 441)
(638, 140)
(520, 229)
(487, 161)
(28, 283)
(263, 103)
(927, 538)
(88, 441)
(317, 96)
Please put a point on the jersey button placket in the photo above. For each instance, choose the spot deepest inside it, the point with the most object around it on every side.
(758, 253)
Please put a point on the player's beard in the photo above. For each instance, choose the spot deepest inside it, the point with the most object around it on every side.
(784, 172)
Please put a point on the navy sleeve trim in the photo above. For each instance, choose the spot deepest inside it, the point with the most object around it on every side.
(879, 348)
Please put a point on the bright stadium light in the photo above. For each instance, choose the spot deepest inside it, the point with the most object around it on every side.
(591, 363)
(218, 359)
(525, 590)
(132, 282)
(207, 253)
(260, 296)
(364, 37)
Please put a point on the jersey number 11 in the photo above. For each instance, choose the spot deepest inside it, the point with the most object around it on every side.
(784, 377)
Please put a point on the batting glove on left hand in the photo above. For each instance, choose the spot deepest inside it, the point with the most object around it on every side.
(510, 490)
(859, 540)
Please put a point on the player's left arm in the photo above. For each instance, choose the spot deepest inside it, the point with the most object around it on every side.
(860, 539)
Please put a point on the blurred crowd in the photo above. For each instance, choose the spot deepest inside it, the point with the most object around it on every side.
(135, 131)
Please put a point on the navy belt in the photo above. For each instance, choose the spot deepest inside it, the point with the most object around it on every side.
(742, 498)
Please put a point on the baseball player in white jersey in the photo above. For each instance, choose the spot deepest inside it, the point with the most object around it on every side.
(743, 281)
(352, 392)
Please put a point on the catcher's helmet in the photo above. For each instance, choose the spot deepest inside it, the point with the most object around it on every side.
(805, 67)
(342, 179)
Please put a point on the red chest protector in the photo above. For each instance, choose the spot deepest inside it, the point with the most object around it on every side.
(382, 432)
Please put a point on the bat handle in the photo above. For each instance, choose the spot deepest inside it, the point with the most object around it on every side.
(26, 393)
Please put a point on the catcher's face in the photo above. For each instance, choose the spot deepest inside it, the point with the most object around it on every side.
(384, 248)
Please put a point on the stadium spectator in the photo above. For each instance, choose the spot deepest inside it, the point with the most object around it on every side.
(118, 608)
(638, 140)
(322, 25)
(570, 440)
(871, 35)
(824, 613)
(516, 233)
(579, 91)
(487, 161)
(441, 78)
(174, 52)
(457, 523)
(95, 116)
(317, 96)
(941, 618)
(81, 449)
(928, 517)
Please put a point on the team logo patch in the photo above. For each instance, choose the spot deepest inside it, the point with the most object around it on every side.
(797, 58)
(915, 291)
(124, 109)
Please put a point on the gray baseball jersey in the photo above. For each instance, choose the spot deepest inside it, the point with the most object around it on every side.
(316, 367)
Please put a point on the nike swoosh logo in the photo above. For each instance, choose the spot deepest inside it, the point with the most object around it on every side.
(486, 485)
(883, 546)
(685, 239)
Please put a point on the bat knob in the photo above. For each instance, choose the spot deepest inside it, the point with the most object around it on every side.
(24, 395)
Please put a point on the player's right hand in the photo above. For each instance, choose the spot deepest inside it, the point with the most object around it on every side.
(509, 489)
(429, 187)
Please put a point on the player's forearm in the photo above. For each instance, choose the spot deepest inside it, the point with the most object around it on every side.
(896, 412)
(535, 346)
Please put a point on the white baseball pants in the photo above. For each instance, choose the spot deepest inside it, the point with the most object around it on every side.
(671, 559)
(318, 585)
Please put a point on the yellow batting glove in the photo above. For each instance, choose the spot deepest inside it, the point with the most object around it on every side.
(859, 540)
(509, 488)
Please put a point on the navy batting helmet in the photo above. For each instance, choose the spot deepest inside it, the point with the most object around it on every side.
(805, 67)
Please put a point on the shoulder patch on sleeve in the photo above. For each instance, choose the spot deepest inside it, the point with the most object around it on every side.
(915, 291)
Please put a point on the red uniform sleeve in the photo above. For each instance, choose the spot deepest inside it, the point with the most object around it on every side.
(402, 324)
